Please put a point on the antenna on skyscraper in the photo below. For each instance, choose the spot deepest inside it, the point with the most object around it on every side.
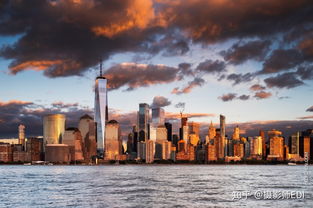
(100, 67)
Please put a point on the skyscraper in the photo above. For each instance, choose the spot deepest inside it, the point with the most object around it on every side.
(21, 135)
(158, 116)
(113, 142)
(101, 113)
(143, 121)
(53, 128)
(222, 126)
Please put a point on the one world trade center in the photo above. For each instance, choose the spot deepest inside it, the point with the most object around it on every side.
(101, 112)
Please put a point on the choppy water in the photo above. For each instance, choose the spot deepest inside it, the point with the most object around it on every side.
(151, 186)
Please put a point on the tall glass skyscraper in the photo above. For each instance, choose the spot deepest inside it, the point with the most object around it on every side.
(143, 121)
(101, 113)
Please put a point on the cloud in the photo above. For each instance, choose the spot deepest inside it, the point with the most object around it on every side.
(262, 95)
(244, 97)
(135, 75)
(305, 73)
(257, 87)
(160, 101)
(240, 78)
(187, 89)
(252, 50)
(228, 97)
(310, 109)
(280, 60)
(305, 117)
(66, 37)
(213, 21)
(209, 66)
(287, 80)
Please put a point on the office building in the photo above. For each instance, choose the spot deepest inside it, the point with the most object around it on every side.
(21, 135)
(169, 129)
(87, 128)
(158, 116)
(194, 128)
(113, 142)
(73, 138)
(53, 128)
(276, 145)
(256, 147)
(34, 147)
(101, 113)
(150, 151)
(141, 150)
(236, 134)
(57, 153)
(143, 121)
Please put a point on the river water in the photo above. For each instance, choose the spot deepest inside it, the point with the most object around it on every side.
(155, 186)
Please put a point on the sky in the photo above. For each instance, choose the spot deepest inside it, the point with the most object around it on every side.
(248, 60)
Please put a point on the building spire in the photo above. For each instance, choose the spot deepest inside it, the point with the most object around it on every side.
(100, 67)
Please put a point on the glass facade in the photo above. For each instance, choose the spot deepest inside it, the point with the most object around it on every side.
(101, 113)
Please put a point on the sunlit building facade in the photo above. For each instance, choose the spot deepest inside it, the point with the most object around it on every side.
(113, 143)
(101, 113)
(21, 135)
(53, 128)
(276, 145)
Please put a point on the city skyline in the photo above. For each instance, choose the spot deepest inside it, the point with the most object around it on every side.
(258, 77)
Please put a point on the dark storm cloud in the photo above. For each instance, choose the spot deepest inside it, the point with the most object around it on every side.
(228, 97)
(197, 81)
(209, 66)
(135, 75)
(67, 37)
(310, 109)
(305, 73)
(160, 101)
(253, 50)
(286, 80)
(240, 78)
(281, 60)
(212, 21)
(14, 113)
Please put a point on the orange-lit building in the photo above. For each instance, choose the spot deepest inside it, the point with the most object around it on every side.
(276, 145)
(210, 154)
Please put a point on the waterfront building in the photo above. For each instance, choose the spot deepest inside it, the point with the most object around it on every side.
(6, 152)
(53, 128)
(87, 128)
(294, 143)
(57, 153)
(113, 143)
(276, 145)
(150, 151)
(256, 147)
(141, 150)
(34, 147)
(101, 113)
(210, 154)
(73, 138)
